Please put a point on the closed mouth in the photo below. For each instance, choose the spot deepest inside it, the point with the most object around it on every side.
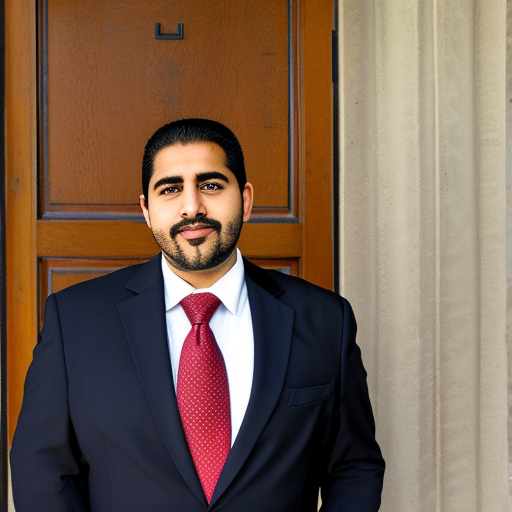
(195, 231)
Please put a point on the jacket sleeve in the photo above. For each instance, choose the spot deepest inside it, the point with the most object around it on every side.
(48, 474)
(355, 467)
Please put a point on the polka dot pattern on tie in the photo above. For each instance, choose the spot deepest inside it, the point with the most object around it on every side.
(203, 392)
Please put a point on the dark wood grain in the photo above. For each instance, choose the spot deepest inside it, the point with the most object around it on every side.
(120, 239)
(316, 27)
(20, 197)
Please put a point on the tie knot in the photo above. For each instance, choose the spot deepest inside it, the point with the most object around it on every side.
(199, 307)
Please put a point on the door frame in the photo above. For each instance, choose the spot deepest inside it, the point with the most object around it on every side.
(3, 330)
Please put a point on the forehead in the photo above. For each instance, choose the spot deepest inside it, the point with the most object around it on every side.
(182, 160)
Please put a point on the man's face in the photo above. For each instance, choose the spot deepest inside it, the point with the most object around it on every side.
(194, 206)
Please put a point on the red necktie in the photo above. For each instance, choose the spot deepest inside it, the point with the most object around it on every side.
(203, 392)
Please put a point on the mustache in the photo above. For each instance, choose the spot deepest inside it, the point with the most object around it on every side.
(204, 221)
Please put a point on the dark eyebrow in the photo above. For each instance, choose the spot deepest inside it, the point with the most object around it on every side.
(203, 176)
(168, 180)
(212, 175)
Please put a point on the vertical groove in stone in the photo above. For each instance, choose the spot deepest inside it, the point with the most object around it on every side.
(508, 165)
(397, 235)
(459, 264)
(477, 102)
(437, 264)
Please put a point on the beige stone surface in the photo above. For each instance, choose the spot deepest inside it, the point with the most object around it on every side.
(509, 229)
(423, 241)
(10, 503)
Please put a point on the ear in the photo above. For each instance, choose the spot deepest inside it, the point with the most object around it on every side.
(145, 211)
(248, 196)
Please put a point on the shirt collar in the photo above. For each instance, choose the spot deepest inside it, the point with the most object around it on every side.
(228, 288)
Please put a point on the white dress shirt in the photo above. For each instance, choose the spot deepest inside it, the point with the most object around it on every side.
(231, 325)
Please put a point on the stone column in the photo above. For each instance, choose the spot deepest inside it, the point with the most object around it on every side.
(423, 239)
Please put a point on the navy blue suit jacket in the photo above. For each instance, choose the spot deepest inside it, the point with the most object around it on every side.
(100, 429)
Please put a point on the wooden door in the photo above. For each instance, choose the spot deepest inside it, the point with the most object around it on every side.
(88, 82)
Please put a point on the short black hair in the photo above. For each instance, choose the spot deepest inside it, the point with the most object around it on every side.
(191, 131)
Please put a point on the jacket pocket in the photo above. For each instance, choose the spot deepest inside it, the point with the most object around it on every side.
(306, 396)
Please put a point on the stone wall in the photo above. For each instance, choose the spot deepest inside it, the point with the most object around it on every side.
(423, 241)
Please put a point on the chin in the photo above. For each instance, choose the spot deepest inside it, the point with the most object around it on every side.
(195, 242)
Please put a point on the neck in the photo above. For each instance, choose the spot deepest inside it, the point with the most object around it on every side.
(204, 278)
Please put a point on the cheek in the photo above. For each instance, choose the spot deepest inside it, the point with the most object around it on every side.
(157, 223)
(161, 217)
(230, 208)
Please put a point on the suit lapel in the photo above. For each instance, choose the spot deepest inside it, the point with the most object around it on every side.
(272, 324)
(143, 318)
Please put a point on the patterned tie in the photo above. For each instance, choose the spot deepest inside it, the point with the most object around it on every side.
(203, 392)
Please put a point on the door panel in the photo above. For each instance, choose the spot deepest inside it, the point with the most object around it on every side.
(58, 273)
(107, 84)
(84, 96)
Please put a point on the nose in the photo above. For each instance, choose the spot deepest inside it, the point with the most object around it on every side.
(192, 203)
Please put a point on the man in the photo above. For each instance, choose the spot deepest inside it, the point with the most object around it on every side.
(197, 380)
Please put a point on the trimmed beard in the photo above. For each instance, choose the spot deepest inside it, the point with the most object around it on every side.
(227, 238)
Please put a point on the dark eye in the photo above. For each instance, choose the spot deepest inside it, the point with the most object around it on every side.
(211, 186)
(168, 190)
